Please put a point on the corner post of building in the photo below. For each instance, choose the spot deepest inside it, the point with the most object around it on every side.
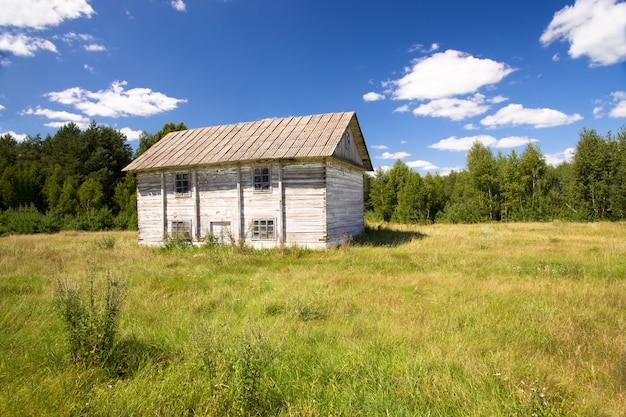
(240, 204)
(163, 205)
(196, 205)
(281, 205)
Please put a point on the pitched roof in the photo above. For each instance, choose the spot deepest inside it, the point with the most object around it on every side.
(290, 137)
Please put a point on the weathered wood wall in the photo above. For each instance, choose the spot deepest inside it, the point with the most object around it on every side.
(305, 203)
(313, 203)
(149, 208)
(344, 202)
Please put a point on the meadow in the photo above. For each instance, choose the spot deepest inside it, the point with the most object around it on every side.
(439, 320)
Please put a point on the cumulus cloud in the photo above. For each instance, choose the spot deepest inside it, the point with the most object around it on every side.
(455, 144)
(379, 147)
(17, 136)
(372, 96)
(454, 108)
(516, 115)
(594, 28)
(558, 158)
(58, 118)
(37, 14)
(423, 165)
(179, 5)
(130, 133)
(24, 45)
(115, 101)
(619, 103)
(447, 74)
(395, 155)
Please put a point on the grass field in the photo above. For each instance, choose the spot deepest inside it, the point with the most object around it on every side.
(441, 320)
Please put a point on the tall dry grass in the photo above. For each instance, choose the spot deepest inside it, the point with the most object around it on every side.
(492, 319)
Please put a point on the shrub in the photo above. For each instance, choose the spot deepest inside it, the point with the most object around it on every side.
(91, 319)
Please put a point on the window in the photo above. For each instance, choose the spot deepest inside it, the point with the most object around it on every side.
(347, 138)
(262, 179)
(263, 229)
(182, 183)
(181, 229)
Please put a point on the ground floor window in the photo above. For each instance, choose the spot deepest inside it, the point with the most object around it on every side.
(263, 229)
(180, 229)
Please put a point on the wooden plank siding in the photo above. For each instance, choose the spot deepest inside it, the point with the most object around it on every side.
(345, 216)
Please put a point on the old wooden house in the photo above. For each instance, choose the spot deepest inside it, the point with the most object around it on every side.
(292, 181)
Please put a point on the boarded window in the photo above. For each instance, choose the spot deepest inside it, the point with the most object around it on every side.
(263, 229)
(182, 183)
(262, 179)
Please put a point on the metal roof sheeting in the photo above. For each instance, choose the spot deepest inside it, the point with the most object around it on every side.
(290, 137)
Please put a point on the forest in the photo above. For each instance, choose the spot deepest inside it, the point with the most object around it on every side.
(519, 188)
(73, 180)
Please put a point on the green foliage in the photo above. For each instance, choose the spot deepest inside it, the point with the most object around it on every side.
(509, 187)
(91, 318)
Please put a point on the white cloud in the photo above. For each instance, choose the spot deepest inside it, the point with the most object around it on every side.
(447, 74)
(514, 142)
(23, 45)
(418, 47)
(38, 14)
(455, 144)
(447, 170)
(130, 133)
(115, 101)
(423, 165)
(402, 109)
(60, 118)
(88, 67)
(558, 158)
(17, 136)
(453, 108)
(94, 47)
(2, 107)
(619, 101)
(372, 96)
(72, 37)
(470, 126)
(179, 5)
(516, 114)
(395, 155)
(595, 28)
(379, 147)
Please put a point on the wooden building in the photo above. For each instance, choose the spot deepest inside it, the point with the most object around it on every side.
(292, 181)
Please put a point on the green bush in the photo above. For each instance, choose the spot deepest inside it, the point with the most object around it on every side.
(91, 319)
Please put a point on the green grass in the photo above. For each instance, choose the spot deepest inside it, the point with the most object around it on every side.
(492, 319)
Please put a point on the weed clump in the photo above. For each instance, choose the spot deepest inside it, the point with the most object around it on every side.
(91, 318)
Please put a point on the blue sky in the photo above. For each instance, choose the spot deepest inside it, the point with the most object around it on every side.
(426, 78)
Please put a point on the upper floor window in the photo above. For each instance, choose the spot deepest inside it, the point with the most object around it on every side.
(262, 179)
(347, 138)
(182, 182)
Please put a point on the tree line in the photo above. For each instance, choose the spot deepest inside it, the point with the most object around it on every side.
(72, 180)
(592, 187)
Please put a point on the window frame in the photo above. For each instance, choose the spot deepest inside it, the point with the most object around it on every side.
(182, 183)
(180, 229)
(264, 229)
(347, 139)
(262, 185)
